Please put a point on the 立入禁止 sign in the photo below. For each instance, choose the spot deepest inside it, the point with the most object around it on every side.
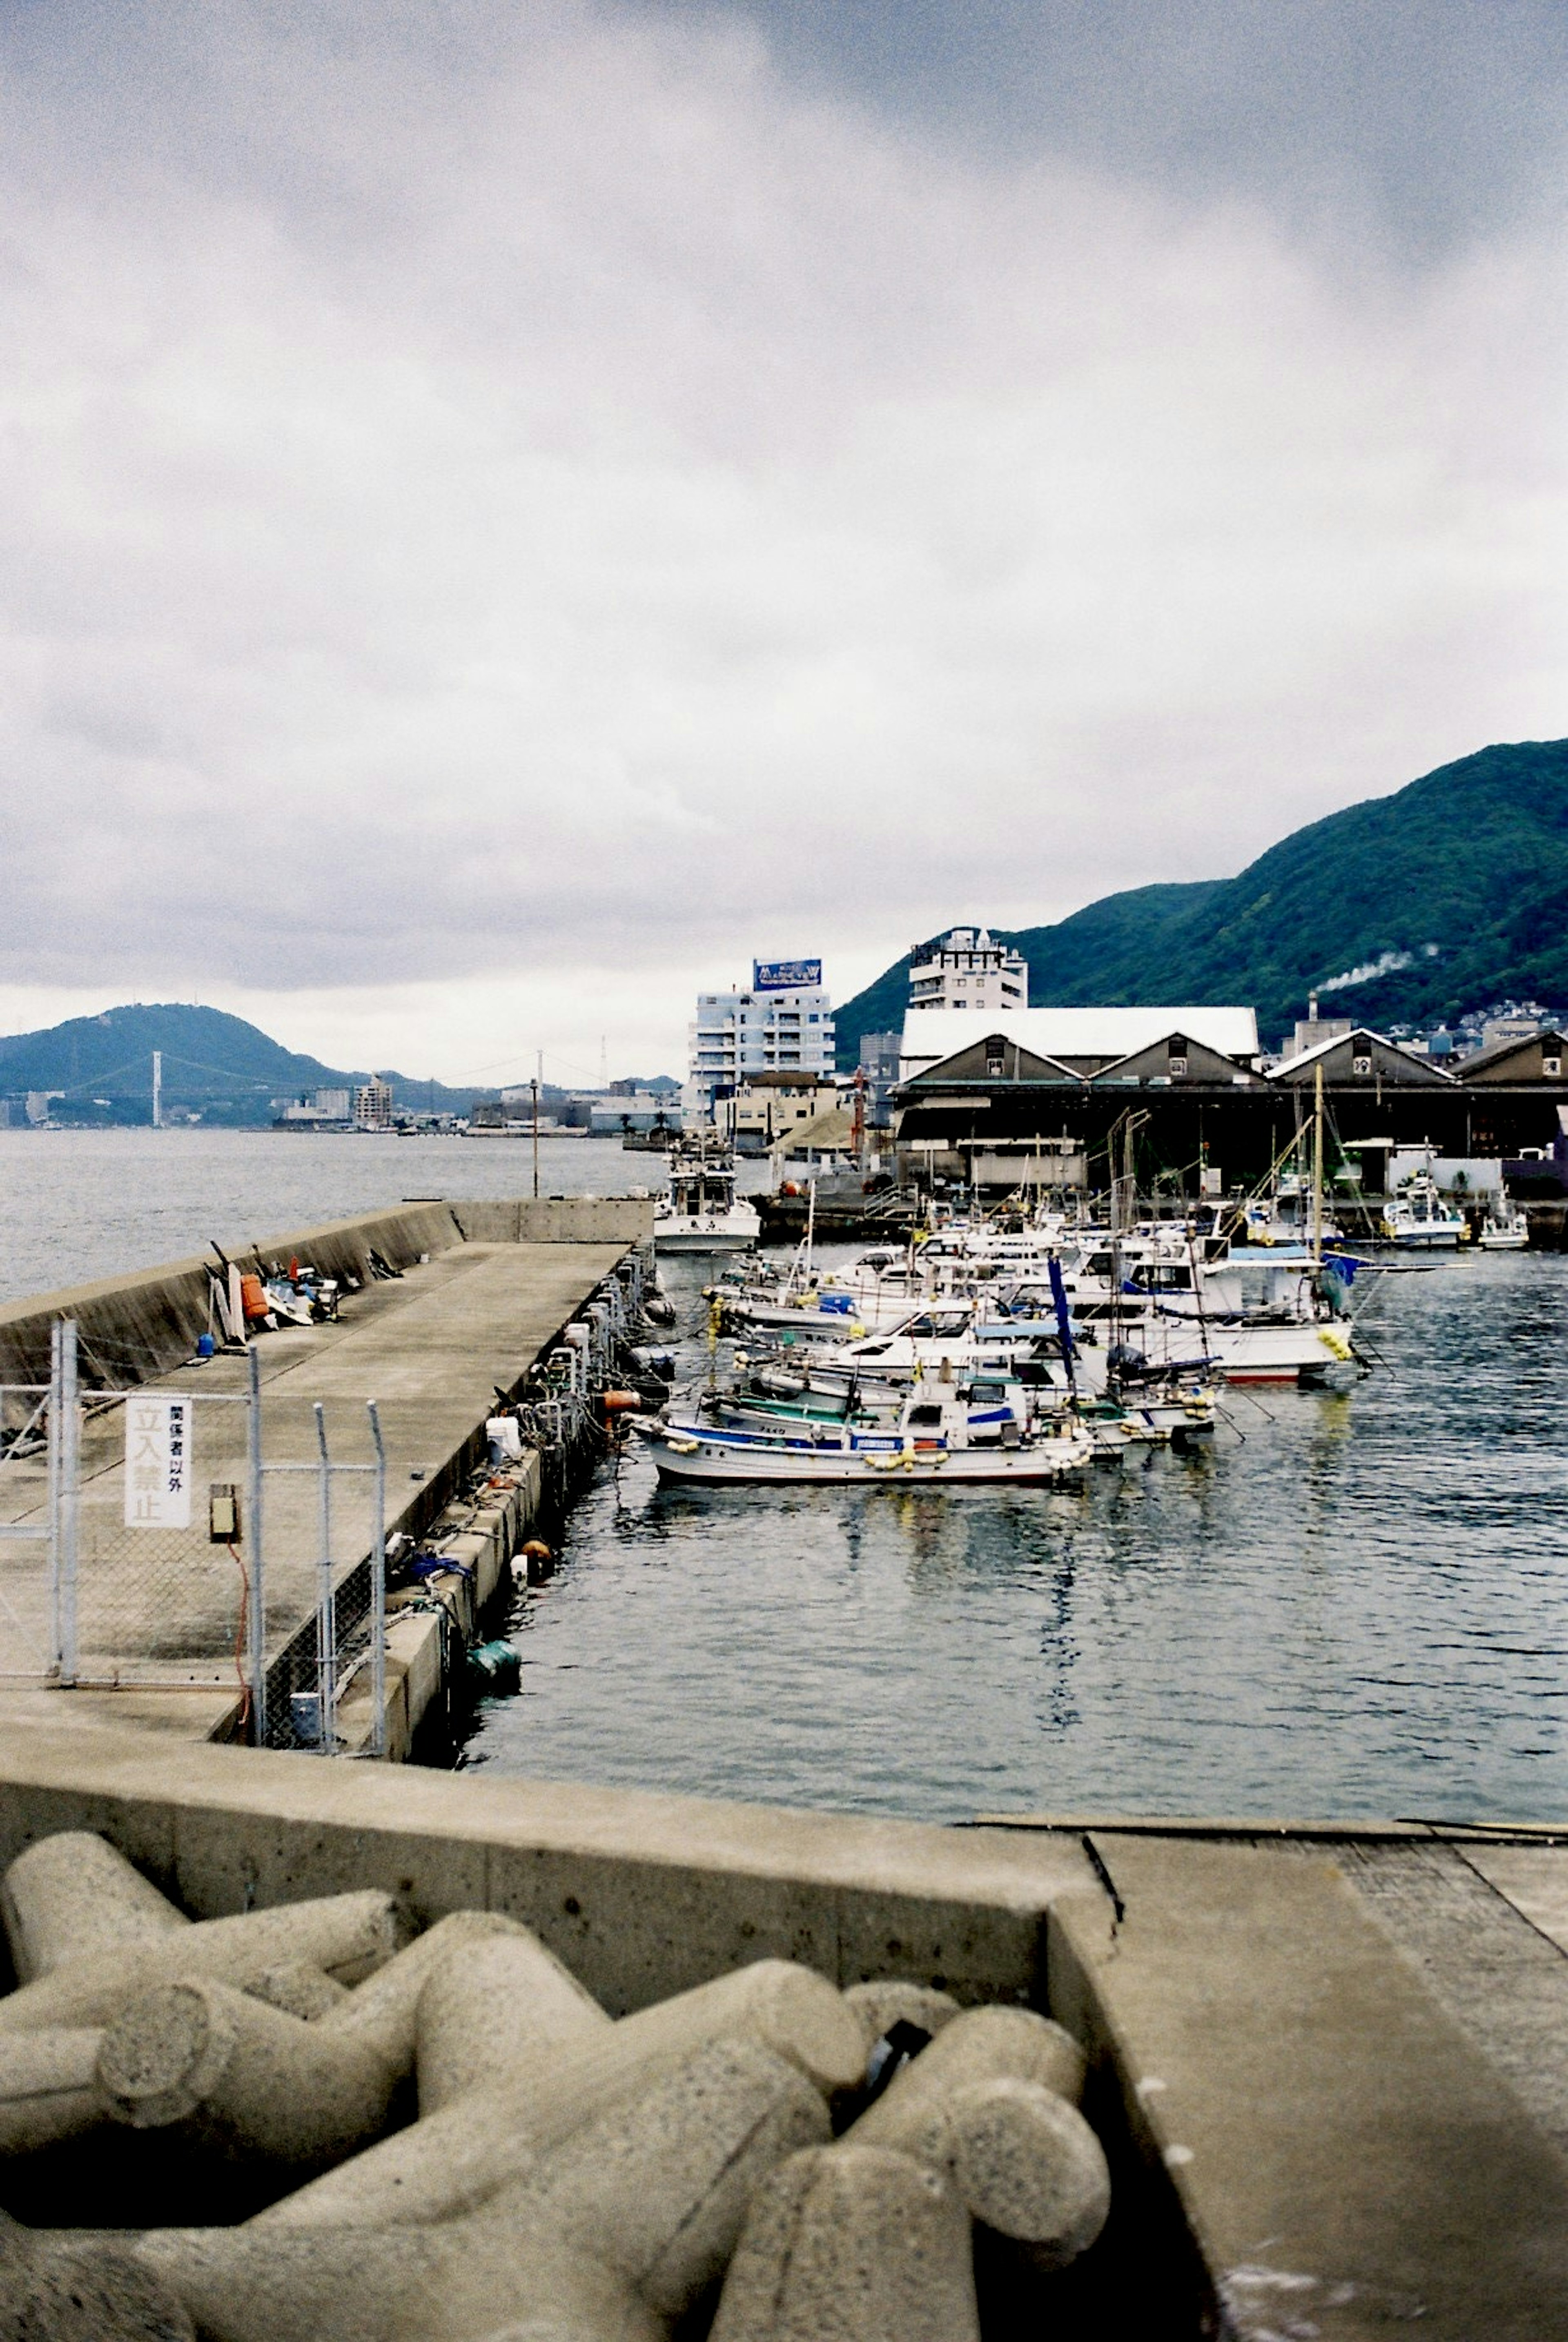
(157, 1463)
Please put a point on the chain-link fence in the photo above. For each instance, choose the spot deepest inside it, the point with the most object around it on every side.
(37, 1481)
(320, 1479)
(163, 1538)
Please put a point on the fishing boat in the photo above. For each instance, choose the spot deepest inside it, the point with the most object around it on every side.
(1504, 1229)
(932, 1440)
(700, 1211)
(1418, 1220)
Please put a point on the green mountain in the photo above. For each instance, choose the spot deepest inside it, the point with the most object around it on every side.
(216, 1066)
(1424, 905)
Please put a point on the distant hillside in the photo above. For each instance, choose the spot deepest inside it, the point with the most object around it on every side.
(1447, 896)
(217, 1065)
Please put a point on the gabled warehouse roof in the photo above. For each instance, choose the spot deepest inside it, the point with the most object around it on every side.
(933, 1034)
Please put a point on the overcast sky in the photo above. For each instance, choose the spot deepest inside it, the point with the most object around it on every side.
(509, 510)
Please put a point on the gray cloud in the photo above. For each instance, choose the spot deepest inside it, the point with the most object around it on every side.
(483, 489)
(1433, 120)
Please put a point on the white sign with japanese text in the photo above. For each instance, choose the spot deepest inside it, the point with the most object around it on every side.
(158, 1463)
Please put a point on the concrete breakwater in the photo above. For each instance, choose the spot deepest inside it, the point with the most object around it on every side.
(630, 2104)
(612, 2176)
(444, 1310)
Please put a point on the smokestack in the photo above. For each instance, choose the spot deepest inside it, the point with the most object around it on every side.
(1312, 1007)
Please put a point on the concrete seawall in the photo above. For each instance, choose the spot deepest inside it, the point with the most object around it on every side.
(155, 1315)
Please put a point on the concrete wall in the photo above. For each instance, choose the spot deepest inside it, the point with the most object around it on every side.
(556, 1219)
(141, 1324)
(643, 1894)
(138, 1325)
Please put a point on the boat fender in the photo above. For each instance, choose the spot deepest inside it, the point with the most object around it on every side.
(620, 1402)
(683, 1447)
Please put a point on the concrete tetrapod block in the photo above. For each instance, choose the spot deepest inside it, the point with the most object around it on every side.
(658, 2187)
(981, 2044)
(383, 2012)
(303, 1990)
(47, 2090)
(852, 2244)
(627, 2225)
(892, 2001)
(73, 1896)
(245, 2078)
(347, 1934)
(498, 2014)
(454, 2160)
(83, 2292)
(1023, 2161)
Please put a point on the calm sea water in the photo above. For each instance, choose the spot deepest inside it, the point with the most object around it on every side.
(79, 1204)
(1354, 1606)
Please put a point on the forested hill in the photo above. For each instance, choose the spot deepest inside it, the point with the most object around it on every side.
(1442, 898)
(215, 1065)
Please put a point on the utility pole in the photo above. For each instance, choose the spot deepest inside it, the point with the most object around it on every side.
(158, 1090)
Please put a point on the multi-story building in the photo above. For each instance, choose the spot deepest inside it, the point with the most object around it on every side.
(967, 969)
(372, 1106)
(767, 1107)
(783, 1024)
(879, 1067)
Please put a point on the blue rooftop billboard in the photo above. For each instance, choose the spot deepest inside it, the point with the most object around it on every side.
(784, 975)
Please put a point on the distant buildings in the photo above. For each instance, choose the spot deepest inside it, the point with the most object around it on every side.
(769, 1106)
(372, 1106)
(783, 1024)
(1067, 1097)
(878, 1069)
(1311, 1029)
(320, 1110)
(965, 969)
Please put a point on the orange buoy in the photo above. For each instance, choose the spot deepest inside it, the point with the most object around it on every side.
(620, 1402)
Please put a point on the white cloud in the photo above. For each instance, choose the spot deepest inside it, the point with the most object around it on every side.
(500, 531)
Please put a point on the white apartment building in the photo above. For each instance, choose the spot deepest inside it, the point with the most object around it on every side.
(783, 1024)
(965, 969)
(372, 1106)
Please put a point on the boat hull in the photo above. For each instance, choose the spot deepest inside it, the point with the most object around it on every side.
(706, 1235)
(743, 1463)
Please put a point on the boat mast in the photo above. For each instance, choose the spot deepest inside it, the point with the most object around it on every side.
(1317, 1166)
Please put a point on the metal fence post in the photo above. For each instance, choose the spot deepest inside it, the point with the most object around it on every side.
(327, 1621)
(257, 1619)
(377, 1590)
(66, 1518)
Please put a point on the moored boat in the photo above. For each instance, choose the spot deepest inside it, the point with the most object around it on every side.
(701, 1212)
(933, 1439)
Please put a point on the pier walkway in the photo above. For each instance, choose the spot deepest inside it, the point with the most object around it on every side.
(160, 1612)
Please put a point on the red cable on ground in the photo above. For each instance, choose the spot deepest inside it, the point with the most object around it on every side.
(240, 1637)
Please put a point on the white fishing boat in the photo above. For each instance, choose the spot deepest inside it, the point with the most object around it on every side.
(700, 1212)
(1419, 1219)
(1505, 1229)
(932, 1441)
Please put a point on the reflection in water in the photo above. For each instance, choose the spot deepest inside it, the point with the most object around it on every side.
(1353, 1605)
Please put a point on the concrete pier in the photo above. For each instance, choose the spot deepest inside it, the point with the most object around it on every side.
(479, 1291)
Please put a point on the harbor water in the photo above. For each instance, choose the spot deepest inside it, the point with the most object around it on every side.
(1354, 1605)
